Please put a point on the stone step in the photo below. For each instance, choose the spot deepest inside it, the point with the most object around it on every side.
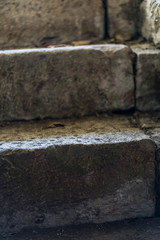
(141, 229)
(77, 81)
(147, 77)
(36, 23)
(65, 81)
(59, 22)
(90, 170)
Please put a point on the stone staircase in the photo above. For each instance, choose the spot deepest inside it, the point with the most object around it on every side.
(79, 124)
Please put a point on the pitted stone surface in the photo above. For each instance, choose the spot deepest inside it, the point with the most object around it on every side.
(70, 179)
(64, 82)
(150, 19)
(25, 23)
(123, 18)
(147, 77)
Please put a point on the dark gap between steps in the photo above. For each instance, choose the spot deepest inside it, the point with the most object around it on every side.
(134, 78)
(128, 112)
(134, 66)
(105, 5)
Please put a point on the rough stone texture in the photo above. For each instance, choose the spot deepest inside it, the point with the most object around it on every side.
(150, 20)
(72, 179)
(61, 82)
(123, 19)
(151, 125)
(155, 135)
(147, 77)
(143, 229)
(25, 23)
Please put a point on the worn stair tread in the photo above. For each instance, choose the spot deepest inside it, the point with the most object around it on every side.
(37, 134)
(90, 170)
(78, 81)
(100, 124)
(139, 229)
(86, 131)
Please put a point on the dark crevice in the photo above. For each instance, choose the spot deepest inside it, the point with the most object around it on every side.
(134, 64)
(105, 4)
(127, 112)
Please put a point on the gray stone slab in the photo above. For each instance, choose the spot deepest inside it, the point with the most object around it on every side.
(64, 82)
(147, 77)
(72, 179)
(36, 23)
(123, 18)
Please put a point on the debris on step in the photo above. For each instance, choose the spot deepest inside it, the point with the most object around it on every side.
(81, 43)
(56, 124)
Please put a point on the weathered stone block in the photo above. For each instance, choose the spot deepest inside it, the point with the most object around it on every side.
(151, 124)
(150, 18)
(123, 18)
(25, 23)
(147, 78)
(62, 82)
(50, 182)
